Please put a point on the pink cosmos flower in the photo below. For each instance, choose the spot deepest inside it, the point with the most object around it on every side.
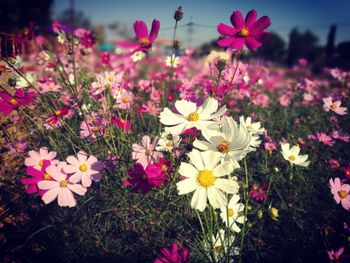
(329, 104)
(324, 138)
(49, 86)
(124, 100)
(270, 146)
(54, 119)
(334, 255)
(341, 136)
(249, 31)
(9, 103)
(173, 254)
(259, 192)
(90, 130)
(143, 180)
(124, 125)
(35, 177)
(145, 153)
(340, 192)
(60, 188)
(87, 39)
(146, 40)
(346, 171)
(151, 108)
(83, 168)
(36, 159)
(284, 100)
(334, 164)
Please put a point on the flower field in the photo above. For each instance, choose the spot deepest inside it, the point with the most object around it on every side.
(137, 156)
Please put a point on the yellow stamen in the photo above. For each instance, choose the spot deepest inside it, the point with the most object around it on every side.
(110, 78)
(217, 249)
(83, 167)
(63, 183)
(108, 85)
(342, 194)
(333, 106)
(13, 101)
(244, 32)
(169, 144)
(164, 168)
(223, 147)
(193, 116)
(144, 42)
(41, 163)
(46, 176)
(94, 129)
(230, 212)
(291, 158)
(206, 178)
(249, 127)
(126, 100)
(148, 152)
(58, 112)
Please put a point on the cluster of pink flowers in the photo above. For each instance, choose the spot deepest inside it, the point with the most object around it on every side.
(53, 179)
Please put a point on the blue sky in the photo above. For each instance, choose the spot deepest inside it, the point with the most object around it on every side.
(316, 15)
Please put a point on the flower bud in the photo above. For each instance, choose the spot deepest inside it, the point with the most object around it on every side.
(178, 14)
(221, 64)
(273, 212)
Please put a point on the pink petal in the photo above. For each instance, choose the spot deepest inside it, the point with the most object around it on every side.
(47, 185)
(82, 157)
(226, 30)
(252, 43)
(140, 29)
(86, 180)
(50, 195)
(237, 44)
(154, 31)
(77, 188)
(250, 18)
(146, 141)
(69, 169)
(226, 42)
(237, 20)
(43, 152)
(259, 26)
(75, 177)
(72, 160)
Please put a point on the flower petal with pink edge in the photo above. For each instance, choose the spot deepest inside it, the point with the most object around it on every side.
(259, 26)
(50, 195)
(146, 141)
(237, 20)
(77, 188)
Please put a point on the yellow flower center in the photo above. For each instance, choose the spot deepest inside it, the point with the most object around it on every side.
(108, 85)
(169, 144)
(291, 158)
(121, 121)
(148, 152)
(342, 194)
(94, 129)
(13, 101)
(249, 127)
(206, 178)
(230, 212)
(333, 106)
(244, 32)
(51, 87)
(217, 249)
(63, 183)
(164, 168)
(83, 167)
(58, 112)
(144, 42)
(126, 100)
(110, 78)
(46, 176)
(223, 147)
(41, 163)
(193, 116)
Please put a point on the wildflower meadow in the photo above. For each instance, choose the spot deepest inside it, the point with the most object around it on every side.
(141, 155)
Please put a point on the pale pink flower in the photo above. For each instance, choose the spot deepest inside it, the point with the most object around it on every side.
(329, 104)
(284, 100)
(340, 192)
(60, 188)
(124, 100)
(324, 138)
(49, 86)
(145, 153)
(341, 136)
(36, 159)
(83, 168)
(334, 255)
(151, 108)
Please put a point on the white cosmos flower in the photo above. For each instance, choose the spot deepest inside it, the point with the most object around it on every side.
(29, 79)
(172, 61)
(222, 245)
(233, 213)
(252, 127)
(167, 141)
(137, 56)
(204, 177)
(60, 188)
(191, 116)
(229, 140)
(292, 155)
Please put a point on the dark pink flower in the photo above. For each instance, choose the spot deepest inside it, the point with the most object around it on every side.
(8, 103)
(173, 255)
(259, 192)
(249, 31)
(141, 31)
(124, 125)
(143, 180)
(35, 177)
(334, 255)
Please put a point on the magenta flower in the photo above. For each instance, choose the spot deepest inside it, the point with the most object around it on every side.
(35, 177)
(83, 168)
(340, 192)
(9, 103)
(324, 138)
(334, 255)
(143, 180)
(141, 31)
(173, 255)
(145, 153)
(122, 124)
(249, 31)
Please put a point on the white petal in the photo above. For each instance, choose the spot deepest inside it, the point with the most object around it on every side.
(223, 169)
(187, 170)
(185, 107)
(199, 199)
(167, 117)
(228, 186)
(86, 180)
(196, 159)
(50, 195)
(47, 185)
(187, 186)
(77, 188)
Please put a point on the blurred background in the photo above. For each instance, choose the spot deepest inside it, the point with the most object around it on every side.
(318, 31)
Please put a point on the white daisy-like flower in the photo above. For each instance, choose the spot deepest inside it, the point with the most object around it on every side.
(172, 61)
(60, 188)
(292, 155)
(233, 213)
(252, 127)
(191, 116)
(222, 245)
(137, 56)
(26, 81)
(227, 139)
(204, 177)
(167, 141)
